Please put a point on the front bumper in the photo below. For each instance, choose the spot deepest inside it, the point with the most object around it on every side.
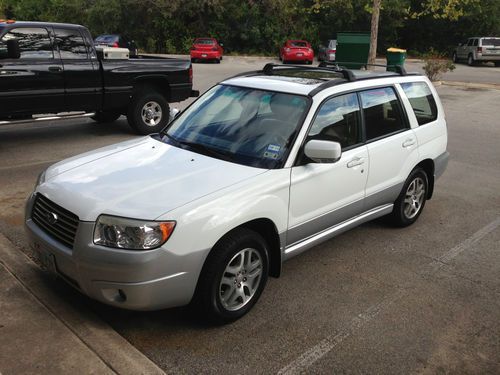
(135, 280)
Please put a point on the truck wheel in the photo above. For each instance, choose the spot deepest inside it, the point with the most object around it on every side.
(103, 117)
(148, 112)
(233, 277)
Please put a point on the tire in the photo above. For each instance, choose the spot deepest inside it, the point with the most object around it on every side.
(103, 117)
(470, 60)
(221, 58)
(217, 61)
(411, 201)
(309, 62)
(455, 57)
(223, 275)
(148, 104)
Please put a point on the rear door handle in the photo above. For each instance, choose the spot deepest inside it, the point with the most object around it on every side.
(55, 69)
(409, 142)
(355, 162)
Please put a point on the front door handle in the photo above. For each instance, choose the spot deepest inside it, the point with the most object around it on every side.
(55, 69)
(408, 143)
(355, 162)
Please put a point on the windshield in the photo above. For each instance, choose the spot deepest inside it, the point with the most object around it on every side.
(242, 125)
(298, 44)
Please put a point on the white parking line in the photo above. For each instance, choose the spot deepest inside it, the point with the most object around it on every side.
(305, 360)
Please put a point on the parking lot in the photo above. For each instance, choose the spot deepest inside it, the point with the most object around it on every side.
(423, 299)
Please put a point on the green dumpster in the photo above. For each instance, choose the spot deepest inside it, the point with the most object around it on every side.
(395, 56)
(352, 49)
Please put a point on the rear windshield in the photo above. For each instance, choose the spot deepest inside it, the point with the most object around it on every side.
(491, 42)
(298, 44)
(203, 41)
(107, 38)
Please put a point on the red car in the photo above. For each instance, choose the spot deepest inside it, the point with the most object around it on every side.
(297, 50)
(206, 49)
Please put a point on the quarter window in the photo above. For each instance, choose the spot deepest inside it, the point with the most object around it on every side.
(338, 120)
(382, 112)
(71, 45)
(422, 101)
(34, 43)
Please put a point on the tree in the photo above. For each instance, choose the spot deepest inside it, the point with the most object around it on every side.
(372, 55)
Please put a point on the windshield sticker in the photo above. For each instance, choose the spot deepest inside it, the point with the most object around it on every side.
(272, 152)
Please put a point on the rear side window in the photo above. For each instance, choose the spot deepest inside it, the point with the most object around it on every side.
(338, 120)
(34, 43)
(421, 100)
(470, 42)
(71, 45)
(476, 41)
(382, 112)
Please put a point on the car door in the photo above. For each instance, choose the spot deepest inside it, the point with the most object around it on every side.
(82, 78)
(323, 195)
(391, 143)
(32, 83)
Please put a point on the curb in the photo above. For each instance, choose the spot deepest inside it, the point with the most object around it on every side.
(116, 352)
(471, 85)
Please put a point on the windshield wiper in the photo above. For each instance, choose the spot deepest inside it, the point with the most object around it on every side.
(206, 150)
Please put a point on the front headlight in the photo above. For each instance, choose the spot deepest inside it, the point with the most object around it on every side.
(131, 234)
(40, 180)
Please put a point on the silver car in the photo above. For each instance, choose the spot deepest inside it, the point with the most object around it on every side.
(478, 49)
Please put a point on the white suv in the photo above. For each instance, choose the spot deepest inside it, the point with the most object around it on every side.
(477, 50)
(260, 168)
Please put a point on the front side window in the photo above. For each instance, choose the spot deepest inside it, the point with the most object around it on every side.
(470, 42)
(338, 120)
(242, 125)
(421, 100)
(34, 43)
(382, 112)
(71, 45)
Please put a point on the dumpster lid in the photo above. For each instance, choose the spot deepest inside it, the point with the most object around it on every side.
(394, 49)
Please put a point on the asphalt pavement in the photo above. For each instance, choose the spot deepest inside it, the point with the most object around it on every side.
(423, 299)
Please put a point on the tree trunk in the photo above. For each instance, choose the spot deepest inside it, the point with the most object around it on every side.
(374, 33)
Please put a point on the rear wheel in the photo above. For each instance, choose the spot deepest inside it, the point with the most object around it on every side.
(470, 60)
(233, 277)
(149, 112)
(103, 117)
(411, 200)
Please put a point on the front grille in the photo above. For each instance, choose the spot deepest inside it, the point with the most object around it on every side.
(54, 220)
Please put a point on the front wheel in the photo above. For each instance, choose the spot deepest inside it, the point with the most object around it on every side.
(411, 200)
(149, 112)
(233, 277)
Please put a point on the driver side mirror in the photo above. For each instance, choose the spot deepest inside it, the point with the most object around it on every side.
(323, 151)
(174, 112)
(13, 50)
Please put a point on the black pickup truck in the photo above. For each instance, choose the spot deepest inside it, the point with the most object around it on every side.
(53, 68)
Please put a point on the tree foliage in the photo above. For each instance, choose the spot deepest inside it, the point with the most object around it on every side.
(261, 26)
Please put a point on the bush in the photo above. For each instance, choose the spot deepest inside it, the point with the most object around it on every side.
(436, 65)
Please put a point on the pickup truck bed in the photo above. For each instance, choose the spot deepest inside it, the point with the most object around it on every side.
(49, 68)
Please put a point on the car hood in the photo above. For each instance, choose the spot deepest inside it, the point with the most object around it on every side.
(143, 178)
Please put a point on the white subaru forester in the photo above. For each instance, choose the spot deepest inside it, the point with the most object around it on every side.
(260, 168)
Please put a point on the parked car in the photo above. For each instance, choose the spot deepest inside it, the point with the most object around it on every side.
(205, 49)
(260, 168)
(296, 51)
(117, 41)
(327, 50)
(51, 68)
(478, 49)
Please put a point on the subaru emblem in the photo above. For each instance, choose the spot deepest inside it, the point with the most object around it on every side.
(51, 217)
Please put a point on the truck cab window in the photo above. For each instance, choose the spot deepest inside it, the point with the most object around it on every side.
(34, 43)
(71, 44)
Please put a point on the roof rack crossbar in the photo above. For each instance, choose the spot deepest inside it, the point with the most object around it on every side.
(398, 68)
(269, 69)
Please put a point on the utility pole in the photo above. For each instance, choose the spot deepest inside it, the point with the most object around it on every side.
(374, 32)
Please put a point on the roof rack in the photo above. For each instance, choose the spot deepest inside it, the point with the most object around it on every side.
(269, 69)
(397, 68)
